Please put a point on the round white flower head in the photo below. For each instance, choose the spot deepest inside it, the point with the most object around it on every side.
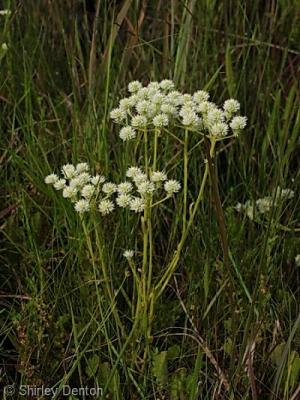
(124, 187)
(97, 179)
(82, 206)
(238, 123)
(146, 187)
(109, 188)
(133, 99)
(200, 96)
(118, 115)
(161, 120)
(158, 176)
(142, 106)
(157, 98)
(152, 92)
(69, 171)
(82, 167)
(186, 98)
(139, 121)
(172, 187)
(174, 98)
(80, 180)
(189, 106)
(143, 94)
(184, 111)
(231, 106)
(132, 172)
(219, 129)
(123, 200)
(264, 205)
(60, 184)
(205, 106)
(166, 85)
(125, 104)
(134, 86)
(190, 118)
(297, 260)
(152, 110)
(215, 116)
(128, 254)
(140, 178)
(88, 191)
(153, 85)
(51, 179)
(127, 133)
(106, 207)
(69, 192)
(168, 109)
(137, 204)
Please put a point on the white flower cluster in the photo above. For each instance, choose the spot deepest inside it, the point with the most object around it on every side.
(82, 188)
(133, 195)
(159, 104)
(265, 204)
(85, 190)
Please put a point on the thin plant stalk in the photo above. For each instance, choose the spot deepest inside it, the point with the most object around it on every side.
(185, 180)
(155, 146)
(105, 275)
(163, 282)
(159, 288)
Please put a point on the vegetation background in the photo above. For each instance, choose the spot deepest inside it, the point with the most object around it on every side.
(65, 67)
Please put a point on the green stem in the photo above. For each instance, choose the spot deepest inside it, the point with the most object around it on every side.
(155, 149)
(145, 252)
(105, 275)
(146, 150)
(145, 228)
(163, 282)
(126, 344)
(156, 133)
(160, 201)
(185, 180)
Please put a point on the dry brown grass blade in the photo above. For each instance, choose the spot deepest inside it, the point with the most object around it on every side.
(134, 35)
(114, 31)
(92, 57)
(166, 46)
(296, 394)
(250, 371)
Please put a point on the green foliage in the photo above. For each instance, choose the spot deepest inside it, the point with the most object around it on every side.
(64, 69)
(159, 367)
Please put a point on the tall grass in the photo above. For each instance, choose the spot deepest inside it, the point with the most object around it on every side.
(221, 330)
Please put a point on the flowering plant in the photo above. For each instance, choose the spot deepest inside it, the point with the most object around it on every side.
(145, 115)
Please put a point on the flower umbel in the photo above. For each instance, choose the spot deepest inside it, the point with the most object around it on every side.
(159, 106)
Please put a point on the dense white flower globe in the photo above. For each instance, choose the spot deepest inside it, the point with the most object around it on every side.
(82, 206)
(51, 179)
(106, 206)
(172, 187)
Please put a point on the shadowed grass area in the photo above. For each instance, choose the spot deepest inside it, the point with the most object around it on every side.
(65, 67)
